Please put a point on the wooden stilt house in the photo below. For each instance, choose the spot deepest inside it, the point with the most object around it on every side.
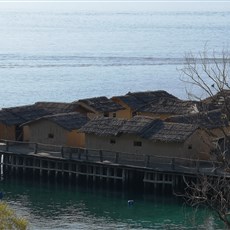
(148, 136)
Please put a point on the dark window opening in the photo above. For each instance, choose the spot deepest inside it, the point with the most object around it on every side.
(114, 114)
(112, 141)
(137, 143)
(50, 135)
(106, 114)
(190, 147)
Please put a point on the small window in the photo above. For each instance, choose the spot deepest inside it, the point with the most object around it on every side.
(114, 114)
(137, 143)
(134, 114)
(112, 141)
(190, 147)
(50, 135)
(106, 114)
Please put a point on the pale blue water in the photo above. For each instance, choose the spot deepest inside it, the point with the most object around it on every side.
(65, 56)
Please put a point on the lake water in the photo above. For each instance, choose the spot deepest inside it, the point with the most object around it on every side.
(59, 206)
(65, 56)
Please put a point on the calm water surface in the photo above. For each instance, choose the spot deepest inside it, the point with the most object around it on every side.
(65, 56)
(50, 206)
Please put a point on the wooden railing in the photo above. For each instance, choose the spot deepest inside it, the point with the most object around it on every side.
(108, 157)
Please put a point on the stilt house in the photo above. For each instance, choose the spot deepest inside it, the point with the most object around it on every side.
(148, 136)
(100, 106)
(134, 101)
(59, 129)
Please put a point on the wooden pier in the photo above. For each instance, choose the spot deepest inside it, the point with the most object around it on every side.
(23, 158)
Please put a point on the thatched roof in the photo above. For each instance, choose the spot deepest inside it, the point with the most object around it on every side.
(68, 121)
(100, 104)
(169, 106)
(136, 125)
(220, 100)
(145, 127)
(212, 119)
(21, 114)
(158, 130)
(103, 126)
(130, 101)
(56, 107)
(8, 118)
(136, 100)
(149, 96)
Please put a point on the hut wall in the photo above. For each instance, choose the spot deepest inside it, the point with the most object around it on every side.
(125, 113)
(131, 144)
(198, 146)
(44, 131)
(26, 133)
(76, 139)
(7, 132)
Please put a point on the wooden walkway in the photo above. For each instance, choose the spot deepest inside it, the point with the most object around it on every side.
(31, 158)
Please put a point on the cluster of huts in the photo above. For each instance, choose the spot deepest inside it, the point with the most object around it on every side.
(151, 122)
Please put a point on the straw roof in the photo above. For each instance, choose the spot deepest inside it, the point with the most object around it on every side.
(169, 106)
(21, 114)
(8, 118)
(212, 119)
(56, 107)
(158, 130)
(149, 96)
(131, 101)
(144, 127)
(100, 104)
(136, 100)
(68, 121)
(103, 126)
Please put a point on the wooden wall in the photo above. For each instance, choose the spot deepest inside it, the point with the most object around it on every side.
(7, 132)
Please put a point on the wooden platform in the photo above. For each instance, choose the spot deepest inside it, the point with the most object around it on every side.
(75, 163)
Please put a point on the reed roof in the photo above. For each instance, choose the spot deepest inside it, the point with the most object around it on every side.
(68, 121)
(8, 118)
(21, 114)
(211, 119)
(56, 107)
(144, 127)
(103, 126)
(100, 104)
(148, 96)
(137, 100)
(169, 106)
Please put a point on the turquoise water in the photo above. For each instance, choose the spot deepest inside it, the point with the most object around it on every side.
(61, 206)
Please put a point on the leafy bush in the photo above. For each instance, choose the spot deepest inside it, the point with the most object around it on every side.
(9, 220)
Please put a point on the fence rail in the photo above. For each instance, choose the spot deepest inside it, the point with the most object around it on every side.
(105, 156)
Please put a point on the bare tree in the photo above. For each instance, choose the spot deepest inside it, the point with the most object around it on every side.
(208, 73)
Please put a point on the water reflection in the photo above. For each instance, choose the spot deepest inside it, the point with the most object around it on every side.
(62, 206)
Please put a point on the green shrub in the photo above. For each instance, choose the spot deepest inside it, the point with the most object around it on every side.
(9, 220)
